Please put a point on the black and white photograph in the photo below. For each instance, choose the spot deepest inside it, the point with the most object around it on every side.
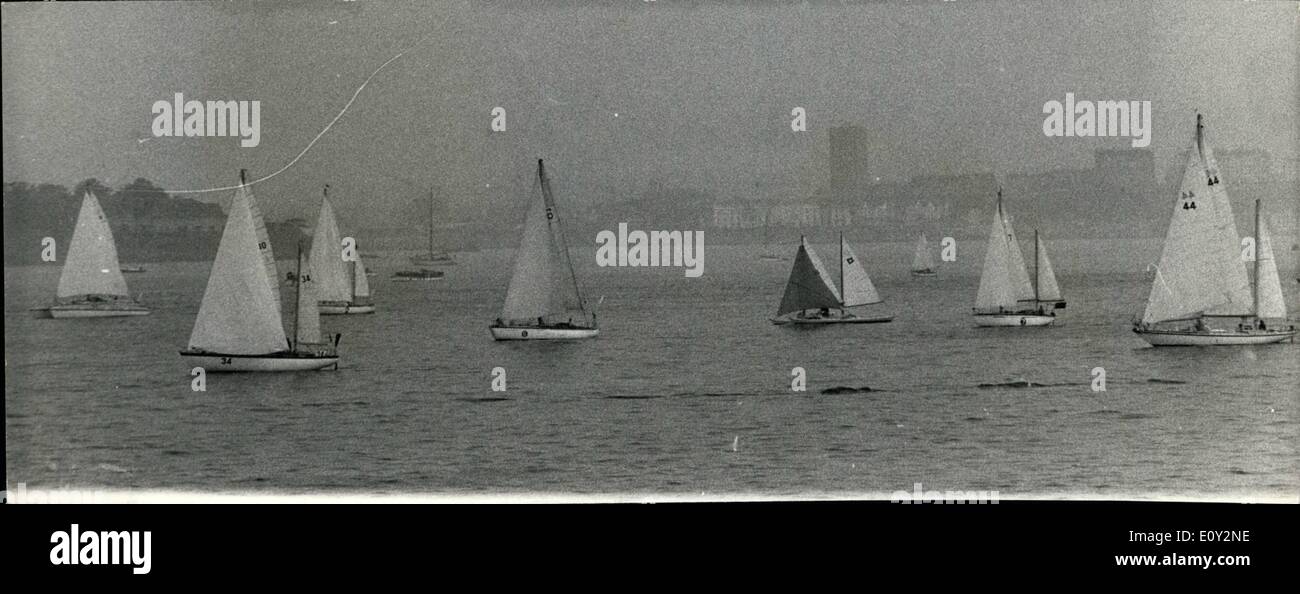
(940, 253)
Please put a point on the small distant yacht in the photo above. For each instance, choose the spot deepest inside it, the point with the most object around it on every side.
(91, 283)
(543, 301)
(1008, 295)
(432, 258)
(429, 258)
(239, 326)
(1201, 277)
(132, 268)
(341, 286)
(812, 297)
(922, 261)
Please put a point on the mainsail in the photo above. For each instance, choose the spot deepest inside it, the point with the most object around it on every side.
(544, 282)
(856, 285)
(997, 288)
(1200, 269)
(240, 312)
(329, 273)
(263, 241)
(810, 285)
(91, 267)
(922, 261)
(1048, 290)
(1019, 274)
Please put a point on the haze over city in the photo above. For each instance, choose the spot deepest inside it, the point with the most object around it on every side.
(623, 98)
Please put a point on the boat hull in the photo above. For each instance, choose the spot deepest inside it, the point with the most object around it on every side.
(217, 363)
(337, 309)
(541, 333)
(410, 279)
(91, 311)
(1012, 320)
(1193, 338)
(924, 273)
(824, 321)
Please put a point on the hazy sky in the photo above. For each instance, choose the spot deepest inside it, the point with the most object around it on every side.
(702, 92)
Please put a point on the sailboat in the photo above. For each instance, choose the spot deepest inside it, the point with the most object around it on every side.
(1008, 295)
(338, 287)
(544, 300)
(91, 284)
(427, 259)
(1201, 277)
(432, 258)
(769, 254)
(923, 262)
(239, 327)
(811, 295)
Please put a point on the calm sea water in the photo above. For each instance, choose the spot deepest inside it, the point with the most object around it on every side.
(684, 369)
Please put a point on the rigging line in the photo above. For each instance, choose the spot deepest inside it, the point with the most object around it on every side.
(355, 94)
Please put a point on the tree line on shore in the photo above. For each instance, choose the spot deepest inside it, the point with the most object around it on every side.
(148, 224)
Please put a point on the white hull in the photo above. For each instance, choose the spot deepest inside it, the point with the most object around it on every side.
(338, 310)
(1012, 320)
(89, 311)
(1212, 338)
(537, 333)
(275, 362)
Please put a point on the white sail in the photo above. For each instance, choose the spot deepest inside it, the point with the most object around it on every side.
(1016, 268)
(263, 244)
(922, 260)
(1200, 269)
(1048, 290)
(240, 313)
(996, 288)
(1226, 241)
(360, 284)
(307, 316)
(529, 294)
(810, 285)
(91, 266)
(1271, 303)
(857, 289)
(543, 282)
(330, 274)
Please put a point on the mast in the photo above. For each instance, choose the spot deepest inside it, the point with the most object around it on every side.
(841, 268)
(1200, 147)
(1258, 242)
(430, 223)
